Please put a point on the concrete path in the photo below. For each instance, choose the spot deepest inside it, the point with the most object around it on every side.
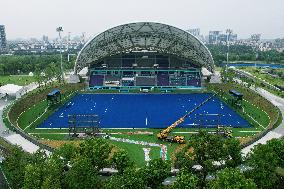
(12, 137)
(17, 139)
(275, 133)
(3, 129)
(216, 78)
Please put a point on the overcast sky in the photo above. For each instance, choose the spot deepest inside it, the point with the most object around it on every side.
(34, 18)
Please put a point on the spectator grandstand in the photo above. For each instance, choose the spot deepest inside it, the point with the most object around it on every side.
(144, 54)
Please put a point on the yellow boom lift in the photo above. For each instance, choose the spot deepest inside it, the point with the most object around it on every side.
(164, 134)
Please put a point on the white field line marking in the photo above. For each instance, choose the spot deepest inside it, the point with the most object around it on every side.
(249, 131)
(189, 132)
(38, 116)
(253, 119)
(48, 133)
(25, 111)
(260, 110)
(36, 119)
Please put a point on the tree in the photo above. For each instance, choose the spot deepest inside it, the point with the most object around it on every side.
(121, 161)
(209, 152)
(156, 172)
(97, 150)
(35, 170)
(53, 174)
(264, 160)
(130, 179)
(232, 178)
(56, 71)
(82, 174)
(185, 180)
(49, 74)
(38, 77)
(233, 156)
(33, 177)
(14, 166)
(67, 152)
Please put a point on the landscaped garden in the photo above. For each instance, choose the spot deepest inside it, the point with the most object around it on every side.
(16, 79)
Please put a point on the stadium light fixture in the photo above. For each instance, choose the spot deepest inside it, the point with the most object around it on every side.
(228, 32)
(59, 30)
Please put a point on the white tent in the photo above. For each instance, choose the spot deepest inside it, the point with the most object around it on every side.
(83, 72)
(12, 90)
(205, 72)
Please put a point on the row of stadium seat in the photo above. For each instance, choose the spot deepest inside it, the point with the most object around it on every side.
(161, 80)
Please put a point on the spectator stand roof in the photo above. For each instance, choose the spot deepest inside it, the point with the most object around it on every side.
(149, 36)
(236, 93)
(54, 92)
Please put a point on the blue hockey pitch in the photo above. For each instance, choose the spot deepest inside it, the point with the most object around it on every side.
(147, 111)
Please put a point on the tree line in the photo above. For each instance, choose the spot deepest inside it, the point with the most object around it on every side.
(23, 64)
(244, 53)
(206, 161)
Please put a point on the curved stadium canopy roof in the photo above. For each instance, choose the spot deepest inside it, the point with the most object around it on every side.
(149, 36)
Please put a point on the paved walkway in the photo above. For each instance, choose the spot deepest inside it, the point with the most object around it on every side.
(12, 137)
(17, 139)
(3, 129)
(275, 133)
(216, 78)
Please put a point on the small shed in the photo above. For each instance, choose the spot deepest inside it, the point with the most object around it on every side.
(237, 97)
(236, 94)
(53, 97)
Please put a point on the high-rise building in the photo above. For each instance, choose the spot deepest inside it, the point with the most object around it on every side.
(216, 37)
(3, 42)
(45, 39)
(255, 37)
(196, 33)
(213, 36)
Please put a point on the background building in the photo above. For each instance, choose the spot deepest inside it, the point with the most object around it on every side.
(196, 32)
(216, 37)
(3, 42)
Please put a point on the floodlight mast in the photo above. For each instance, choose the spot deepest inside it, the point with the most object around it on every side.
(228, 32)
(59, 30)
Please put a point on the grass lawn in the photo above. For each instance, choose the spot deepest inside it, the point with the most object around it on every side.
(26, 118)
(136, 152)
(267, 77)
(256, 116)
(16, 79)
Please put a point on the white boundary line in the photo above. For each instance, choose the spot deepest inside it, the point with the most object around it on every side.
(35, 119)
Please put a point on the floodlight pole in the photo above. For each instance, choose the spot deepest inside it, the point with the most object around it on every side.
(229, 32)
(60, 29)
